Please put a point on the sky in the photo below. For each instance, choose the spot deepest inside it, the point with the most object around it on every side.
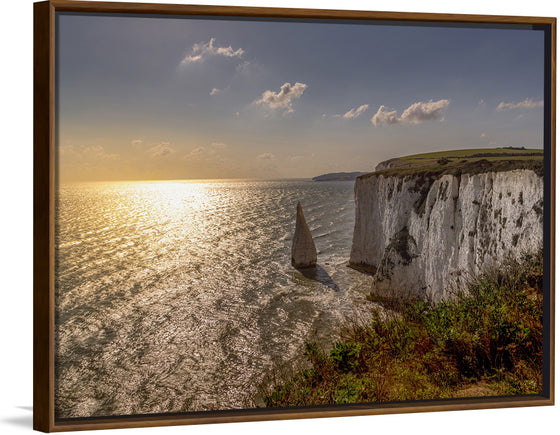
(148, 98)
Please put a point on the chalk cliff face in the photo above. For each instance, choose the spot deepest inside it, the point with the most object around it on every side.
(425, 238)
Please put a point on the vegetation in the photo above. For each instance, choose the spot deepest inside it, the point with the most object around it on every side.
(485, 342)
(430, 166)
(400, 243)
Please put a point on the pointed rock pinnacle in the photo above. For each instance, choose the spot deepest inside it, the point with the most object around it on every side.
(304, 253)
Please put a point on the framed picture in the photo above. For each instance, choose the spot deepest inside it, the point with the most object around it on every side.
(250, 214)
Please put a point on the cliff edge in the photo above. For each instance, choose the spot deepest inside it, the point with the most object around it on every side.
(426, 225)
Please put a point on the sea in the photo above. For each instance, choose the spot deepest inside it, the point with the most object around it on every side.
(179, 296)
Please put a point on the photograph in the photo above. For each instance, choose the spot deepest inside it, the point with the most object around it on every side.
(266, 221)
(280, 212)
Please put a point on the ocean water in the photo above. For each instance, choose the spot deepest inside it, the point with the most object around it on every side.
(177, 296)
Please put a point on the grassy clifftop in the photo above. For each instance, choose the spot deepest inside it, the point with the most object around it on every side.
(470, 161)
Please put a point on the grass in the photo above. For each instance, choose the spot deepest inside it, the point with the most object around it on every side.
(485, 342)
(474, 153)
(471, 161)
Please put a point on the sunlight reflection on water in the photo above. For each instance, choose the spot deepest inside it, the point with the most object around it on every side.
(175, 296)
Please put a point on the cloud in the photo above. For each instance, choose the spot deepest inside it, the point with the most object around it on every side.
(162, 149)
(214, 91)
(266, 156)
(218, 145)
(483, 135)
(136, 142)
(421, 112)
(197, 152)
(86, 153)
(415, 114)
(383, 116)
(206, 152)
(204, 50)
(282, 99)
(354, 113)
(527, 103)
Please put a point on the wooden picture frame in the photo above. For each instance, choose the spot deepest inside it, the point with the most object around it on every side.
(45, 218)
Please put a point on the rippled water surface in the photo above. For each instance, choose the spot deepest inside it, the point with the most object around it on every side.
(179, 296)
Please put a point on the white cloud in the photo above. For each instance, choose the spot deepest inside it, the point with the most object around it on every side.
(384, 116)
(203, 50)
(415, 114)
(421, 112)
(136, 142)
(161, 149)
(354, 112)
(266, 156)
(214, 91)
(527, 103)
(282, 99)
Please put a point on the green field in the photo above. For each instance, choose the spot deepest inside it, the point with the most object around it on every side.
(469, 161)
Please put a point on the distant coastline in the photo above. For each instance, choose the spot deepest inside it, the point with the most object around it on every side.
(339, 176)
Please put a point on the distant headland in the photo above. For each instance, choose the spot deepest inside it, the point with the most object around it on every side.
(339, 176)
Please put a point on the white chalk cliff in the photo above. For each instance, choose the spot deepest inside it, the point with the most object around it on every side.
(304, 253)
(425, 238)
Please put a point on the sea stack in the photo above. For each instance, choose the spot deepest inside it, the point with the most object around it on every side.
(304, 253)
